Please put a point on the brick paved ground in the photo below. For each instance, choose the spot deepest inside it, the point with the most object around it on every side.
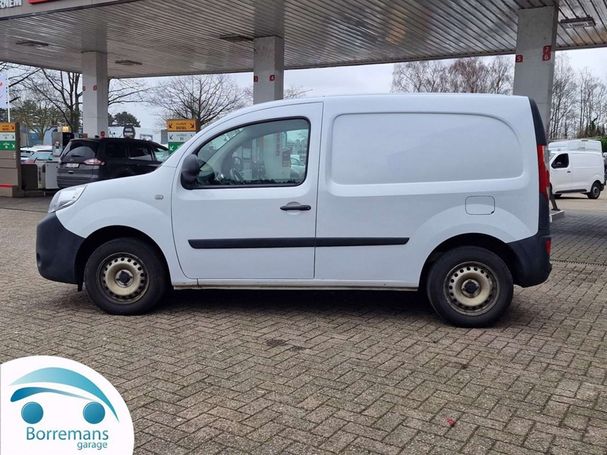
(326, 372)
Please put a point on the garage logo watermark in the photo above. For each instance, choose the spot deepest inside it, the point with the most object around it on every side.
(56, 405)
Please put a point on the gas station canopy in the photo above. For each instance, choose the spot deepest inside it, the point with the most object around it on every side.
(160, 37)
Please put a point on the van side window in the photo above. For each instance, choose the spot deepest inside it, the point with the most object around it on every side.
(561, 161)
(261, 154)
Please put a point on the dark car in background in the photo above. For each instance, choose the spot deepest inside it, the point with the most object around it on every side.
(90, 160)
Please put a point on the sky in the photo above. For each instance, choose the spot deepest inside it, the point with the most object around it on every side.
(353, 80)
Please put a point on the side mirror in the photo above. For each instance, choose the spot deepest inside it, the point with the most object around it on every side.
(190, 171)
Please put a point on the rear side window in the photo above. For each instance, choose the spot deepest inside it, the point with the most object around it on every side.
(140, 152)
(409, 148)
(561, 161)
(114, 151)
(80, 151)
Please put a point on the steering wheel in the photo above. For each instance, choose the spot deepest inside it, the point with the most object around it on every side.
(236, 176)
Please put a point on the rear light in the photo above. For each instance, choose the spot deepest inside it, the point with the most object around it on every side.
(548, 246)
(542, 170)
(94, 162)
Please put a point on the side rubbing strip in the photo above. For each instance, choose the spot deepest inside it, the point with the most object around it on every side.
(360, 241)
(297, 242)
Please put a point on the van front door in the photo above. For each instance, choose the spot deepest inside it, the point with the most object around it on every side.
(252, 212)
(560, 173)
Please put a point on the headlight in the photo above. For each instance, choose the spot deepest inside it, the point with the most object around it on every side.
(65, 198)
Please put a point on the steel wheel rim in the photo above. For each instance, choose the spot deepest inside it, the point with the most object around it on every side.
(471, 288)
(123, 278)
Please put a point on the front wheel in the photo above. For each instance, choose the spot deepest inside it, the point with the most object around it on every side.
(470, 286)
(125, 276)
(595, 191)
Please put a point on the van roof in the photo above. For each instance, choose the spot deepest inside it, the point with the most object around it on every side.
(459, 98)
(576, 145)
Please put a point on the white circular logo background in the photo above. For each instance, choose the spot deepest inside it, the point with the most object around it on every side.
(52, 405)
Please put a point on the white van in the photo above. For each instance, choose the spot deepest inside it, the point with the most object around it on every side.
(443, 193)
(577, 166)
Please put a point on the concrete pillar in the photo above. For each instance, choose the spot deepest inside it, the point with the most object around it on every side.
(268, 69)
(95, 93)
(534, 67)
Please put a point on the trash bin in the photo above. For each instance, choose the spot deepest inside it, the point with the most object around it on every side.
(29, 176)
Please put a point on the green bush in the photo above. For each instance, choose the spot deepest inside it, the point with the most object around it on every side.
(604, 143)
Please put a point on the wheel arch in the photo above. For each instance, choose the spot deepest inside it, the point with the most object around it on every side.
(106, 234)
(488, 242)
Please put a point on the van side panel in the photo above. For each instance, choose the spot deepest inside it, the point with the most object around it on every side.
(407, 170)
(422, 148)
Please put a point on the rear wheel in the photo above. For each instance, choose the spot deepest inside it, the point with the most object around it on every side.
(595, 191)
(125, 276)
(470, 286)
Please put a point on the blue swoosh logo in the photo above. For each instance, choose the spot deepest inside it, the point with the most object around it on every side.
(66, 377)
(26, 392)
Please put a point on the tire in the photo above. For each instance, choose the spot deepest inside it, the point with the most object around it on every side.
(451, 286)
(125, 276)
(595, 191)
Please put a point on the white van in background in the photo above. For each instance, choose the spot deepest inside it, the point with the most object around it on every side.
(447, 194)
(577, 166)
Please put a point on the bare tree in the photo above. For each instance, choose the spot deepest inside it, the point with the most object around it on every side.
(37, 115)
(126, 91)
(501, 71)
(294, 91)
(592, 103)
(470, 75)
(291, 92)
(424, 76)
(63, 91)
(18, 74)
(564, 94)
(204, 98)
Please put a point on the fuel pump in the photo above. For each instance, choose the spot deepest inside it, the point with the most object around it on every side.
(60, 141)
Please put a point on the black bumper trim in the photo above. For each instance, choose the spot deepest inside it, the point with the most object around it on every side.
(56, 250)
(532, 261)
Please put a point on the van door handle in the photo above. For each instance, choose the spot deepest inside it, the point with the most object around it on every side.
(568, 172)
(295, 206)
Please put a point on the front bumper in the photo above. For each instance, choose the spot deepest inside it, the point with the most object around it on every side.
(56, 250)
